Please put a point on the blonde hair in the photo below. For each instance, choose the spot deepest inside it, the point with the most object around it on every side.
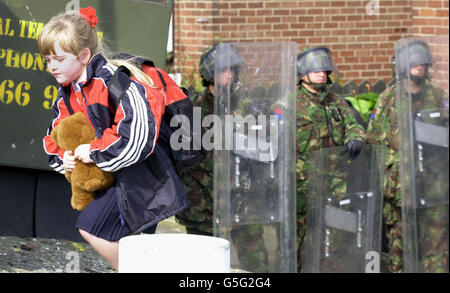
(135, 71)
(74, 33)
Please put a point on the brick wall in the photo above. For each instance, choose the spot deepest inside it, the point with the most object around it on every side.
(431, 18)
(362, 44)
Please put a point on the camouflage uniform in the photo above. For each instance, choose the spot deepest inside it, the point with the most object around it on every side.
(323, 120)
(383, 129)
(198, 182)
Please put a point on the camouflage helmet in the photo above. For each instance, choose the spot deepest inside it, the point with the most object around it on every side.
(228, 57)
(314, 60)
(412, 54)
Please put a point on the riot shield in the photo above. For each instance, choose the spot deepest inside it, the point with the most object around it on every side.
(422, 106)
(344, 211)
(254, 154)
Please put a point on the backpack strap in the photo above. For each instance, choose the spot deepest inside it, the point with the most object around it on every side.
(118, 85)
(66, 99)
(162, 79)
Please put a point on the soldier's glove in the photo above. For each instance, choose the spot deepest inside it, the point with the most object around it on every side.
(353, 148)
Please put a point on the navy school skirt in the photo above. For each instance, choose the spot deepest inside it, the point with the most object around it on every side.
(102, 218)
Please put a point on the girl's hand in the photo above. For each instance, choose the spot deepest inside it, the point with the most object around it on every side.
(68, 161)
(82, 153)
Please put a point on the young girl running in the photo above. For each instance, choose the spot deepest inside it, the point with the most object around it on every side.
(126, 136)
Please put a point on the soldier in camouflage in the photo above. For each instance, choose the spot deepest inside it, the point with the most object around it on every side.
(323, 120)
(383, 129)
(198, 181)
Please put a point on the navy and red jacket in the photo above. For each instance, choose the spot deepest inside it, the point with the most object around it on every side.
(126, 136)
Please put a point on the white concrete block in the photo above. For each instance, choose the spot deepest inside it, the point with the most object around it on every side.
(173, 253)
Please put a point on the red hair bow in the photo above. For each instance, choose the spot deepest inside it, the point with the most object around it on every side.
(89, 14)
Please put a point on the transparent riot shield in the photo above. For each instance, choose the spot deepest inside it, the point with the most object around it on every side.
(254, 154)
(344, 211)
(422, 106)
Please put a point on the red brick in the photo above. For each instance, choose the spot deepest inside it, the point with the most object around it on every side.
(315, 11)
(315, 40)
(307, 19)
(354, 17)
(265, 27)
(291, 4)
(281, 26)
(302, 11)
(352, 60)
(343, 67)
(256, 20)
(435, 22)
(273, 33)
(323, 33)
(272, 19)
(347, 24)
(307, 33)
(324, 18)
(247, 12)
(427, 12)
(247, 27)
(442, 31)
(221, 20)
(255, 5)
(322, 3)
(351, 74)
(237, 20)
(354, 31)
(347, 11)
(239, 5)
(314, 25)
(346, 53)
(374, 66)
(384, 72)
(226, 12)
(428, 30)
(290, 33)
(359, 67)
(281, 12)
(335, 3)
(272, 4)
(435, 4)
(264, 12)
(297, 25)
(442, 13)
(288, 19)
(330, 40)
(338, 18)
(221, 5)
(366, 59)
(330, 25)
(357, 46)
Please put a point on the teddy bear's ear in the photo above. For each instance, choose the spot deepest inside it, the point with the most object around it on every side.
(54, 135)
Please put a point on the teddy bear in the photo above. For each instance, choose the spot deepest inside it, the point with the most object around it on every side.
(85, 179)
